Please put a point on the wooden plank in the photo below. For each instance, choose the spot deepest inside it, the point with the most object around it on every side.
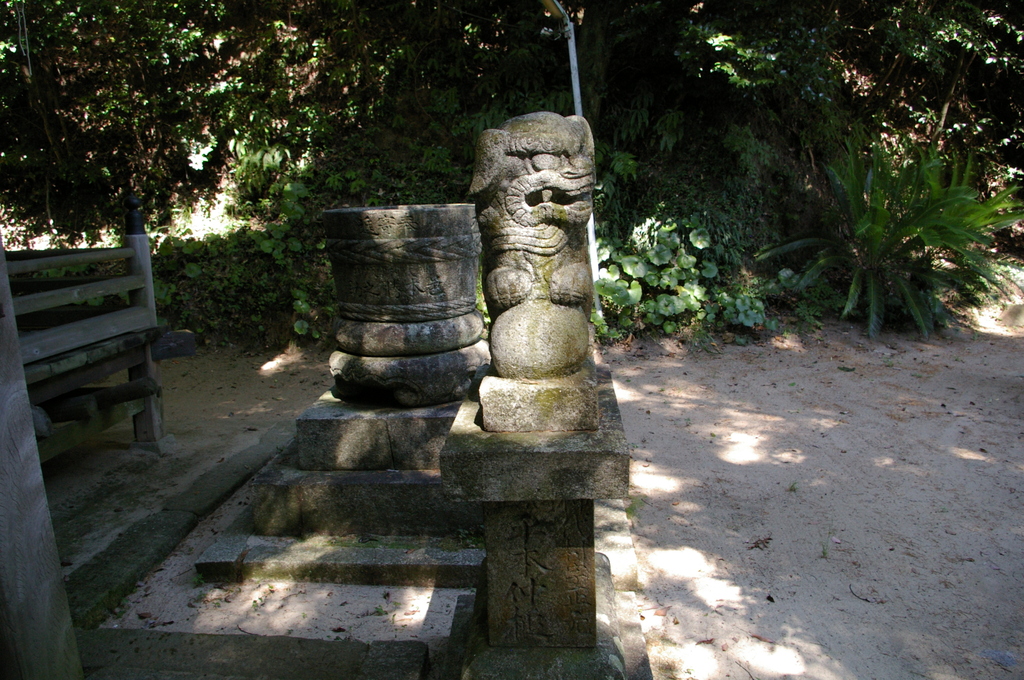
(76, 432)
(20, 255)
(87, 374)
(48, 318)
(38, 345)
(69, 258)
(36, 638)
(66, 296)
(79, 357)
(24, 286)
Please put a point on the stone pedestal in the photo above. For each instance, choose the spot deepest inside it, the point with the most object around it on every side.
(551, 405)
(536, 466)
(334, 434)
(618, 652)
(537, 490)
(540, 567)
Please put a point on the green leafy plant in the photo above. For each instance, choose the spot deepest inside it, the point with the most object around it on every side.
(666, 278)
(911, 232)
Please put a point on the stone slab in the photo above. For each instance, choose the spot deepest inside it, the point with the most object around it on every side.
(222, 559)
(98, 585)
(550, 405)
(540, 574)
(477, 465)
(292, 502)
(472, 658)
(238, 555)
(612, 538)
(335, 434)
(145, 654)
(206, 493)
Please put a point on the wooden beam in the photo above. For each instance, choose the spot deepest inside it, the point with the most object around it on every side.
(65, 382)
(66, 296)
(37, 345)
(76, 432)
(68, 258)
(36, 638)
(79, 407)
(80, 357)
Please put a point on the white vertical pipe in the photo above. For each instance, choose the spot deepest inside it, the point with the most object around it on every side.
(577, 100)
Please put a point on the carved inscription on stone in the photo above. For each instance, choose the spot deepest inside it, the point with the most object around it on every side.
(540, 573)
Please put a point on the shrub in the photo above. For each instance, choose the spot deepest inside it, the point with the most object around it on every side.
(907, 236)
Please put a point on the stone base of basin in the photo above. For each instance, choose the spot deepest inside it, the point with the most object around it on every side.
(408, 380)
(333, 434)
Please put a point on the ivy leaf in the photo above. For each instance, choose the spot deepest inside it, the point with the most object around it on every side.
(686, 261)
(301, 326)
(710, 270)
(192, 270)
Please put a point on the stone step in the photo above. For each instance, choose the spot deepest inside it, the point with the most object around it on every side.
(288, 501)
(450, 562)
(110, 654)
(240, 555)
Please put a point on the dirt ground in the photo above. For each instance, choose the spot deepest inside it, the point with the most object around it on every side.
(811, 506)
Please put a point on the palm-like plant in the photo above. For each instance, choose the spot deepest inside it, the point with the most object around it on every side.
(907, 234)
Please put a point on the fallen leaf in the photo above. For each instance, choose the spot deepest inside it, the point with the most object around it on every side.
(762, 638)
(339, 629)
(144, 615)
(709, 641)
(847, 369)
(662, 611)
(675, 620)
(725, 647)
(673, 503)
(836, 540)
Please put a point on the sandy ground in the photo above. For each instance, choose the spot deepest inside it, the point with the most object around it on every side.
(811, 506)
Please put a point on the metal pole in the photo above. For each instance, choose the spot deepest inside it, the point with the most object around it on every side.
(577, 100)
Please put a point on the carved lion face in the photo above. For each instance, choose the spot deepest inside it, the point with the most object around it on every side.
(536, 170)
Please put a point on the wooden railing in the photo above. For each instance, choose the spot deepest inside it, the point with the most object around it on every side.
(66, 345)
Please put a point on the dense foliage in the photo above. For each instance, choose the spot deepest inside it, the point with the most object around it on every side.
(719, 117)
(912, 235)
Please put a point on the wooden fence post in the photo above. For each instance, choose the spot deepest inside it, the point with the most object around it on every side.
(149, 423)
(36, 638)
